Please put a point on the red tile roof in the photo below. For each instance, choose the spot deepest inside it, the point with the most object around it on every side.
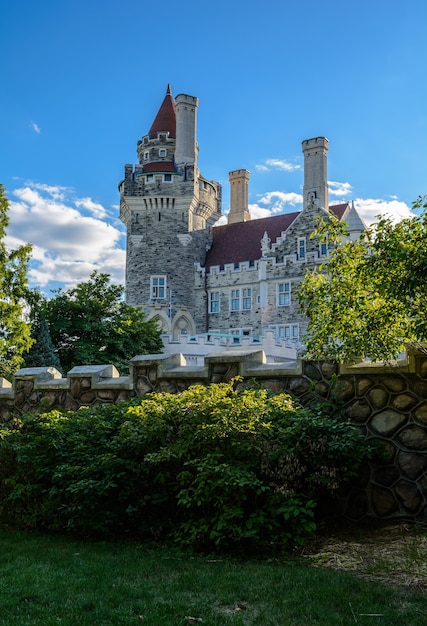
(235, 243)
(165, 120)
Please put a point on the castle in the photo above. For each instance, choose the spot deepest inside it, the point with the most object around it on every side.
(193, 277)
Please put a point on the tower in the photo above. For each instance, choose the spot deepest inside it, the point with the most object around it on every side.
(315, 172)
(168, 209)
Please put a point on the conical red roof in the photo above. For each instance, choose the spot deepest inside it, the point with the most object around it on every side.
(165, 121)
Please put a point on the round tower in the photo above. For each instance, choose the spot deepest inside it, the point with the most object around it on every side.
(168, 210)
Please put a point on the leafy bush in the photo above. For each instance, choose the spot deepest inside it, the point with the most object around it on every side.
(210, 467)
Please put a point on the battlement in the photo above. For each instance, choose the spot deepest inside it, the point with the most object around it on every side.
(388, 402)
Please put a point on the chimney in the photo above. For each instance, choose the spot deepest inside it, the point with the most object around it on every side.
(239, 180)
(315, 171)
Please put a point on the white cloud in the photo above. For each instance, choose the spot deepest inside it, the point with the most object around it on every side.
(35, 128)
(93, 207)
(369, 209)
(339, 189)
(274, 202)
(67, 243)
(277, 164)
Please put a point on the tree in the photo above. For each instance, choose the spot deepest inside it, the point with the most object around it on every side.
(370, 298)
(91, 324)
(14, 328)
(42, 353)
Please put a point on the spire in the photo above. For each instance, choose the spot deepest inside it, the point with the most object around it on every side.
(165, 120)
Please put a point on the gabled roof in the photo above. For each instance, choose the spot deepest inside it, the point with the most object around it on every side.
(165, 120)
(354, 221)
(239, 242)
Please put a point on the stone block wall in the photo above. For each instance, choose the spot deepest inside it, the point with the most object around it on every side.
(388, 402)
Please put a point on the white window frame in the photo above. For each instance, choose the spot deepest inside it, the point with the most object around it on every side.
(241, 299)
(158, 287)
(246, 298)
(214, 302)
(163, 152)
(302, 248)
(283, 294)
(286, 331)
(234, 300)
(146, 155)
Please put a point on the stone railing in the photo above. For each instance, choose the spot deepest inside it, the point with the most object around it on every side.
(196, 348)
(388, 402)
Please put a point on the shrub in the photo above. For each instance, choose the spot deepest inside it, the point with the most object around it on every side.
(209, 467)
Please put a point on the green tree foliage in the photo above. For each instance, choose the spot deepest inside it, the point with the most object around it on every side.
(369, 300)
(90, 324)
(42, 353)
(14, 328)
(211, 467)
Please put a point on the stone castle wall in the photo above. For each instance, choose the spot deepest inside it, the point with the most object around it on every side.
(389, 403)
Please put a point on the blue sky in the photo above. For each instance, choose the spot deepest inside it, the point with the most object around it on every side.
(82, 81)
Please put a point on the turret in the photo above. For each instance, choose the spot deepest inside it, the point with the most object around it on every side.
(186, 145)
(168, 209)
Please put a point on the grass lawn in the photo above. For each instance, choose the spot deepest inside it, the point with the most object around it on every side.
(51, 580)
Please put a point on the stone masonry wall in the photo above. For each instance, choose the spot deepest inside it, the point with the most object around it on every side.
(389, 403)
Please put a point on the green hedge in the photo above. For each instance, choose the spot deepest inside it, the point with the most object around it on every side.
(210, 467)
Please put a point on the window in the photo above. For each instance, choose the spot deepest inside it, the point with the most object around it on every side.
(158, 287)
(146, 155)
(284, 294)
(241, 299)
(301, 248)
(324, 248)
(167, 178)
(287, 331)
(150, 178)
(247, 299)
(235, 300)
(214, 303)
(162, 152)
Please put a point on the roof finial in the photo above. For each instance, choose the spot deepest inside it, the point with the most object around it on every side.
(169, 90)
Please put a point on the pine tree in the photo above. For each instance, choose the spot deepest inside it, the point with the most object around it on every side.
(42, 353)
(15, 330)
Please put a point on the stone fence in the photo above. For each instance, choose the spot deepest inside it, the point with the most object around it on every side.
(388, 402)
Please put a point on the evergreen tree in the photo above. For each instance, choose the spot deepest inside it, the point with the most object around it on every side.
(15, 330)
(42, 353)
